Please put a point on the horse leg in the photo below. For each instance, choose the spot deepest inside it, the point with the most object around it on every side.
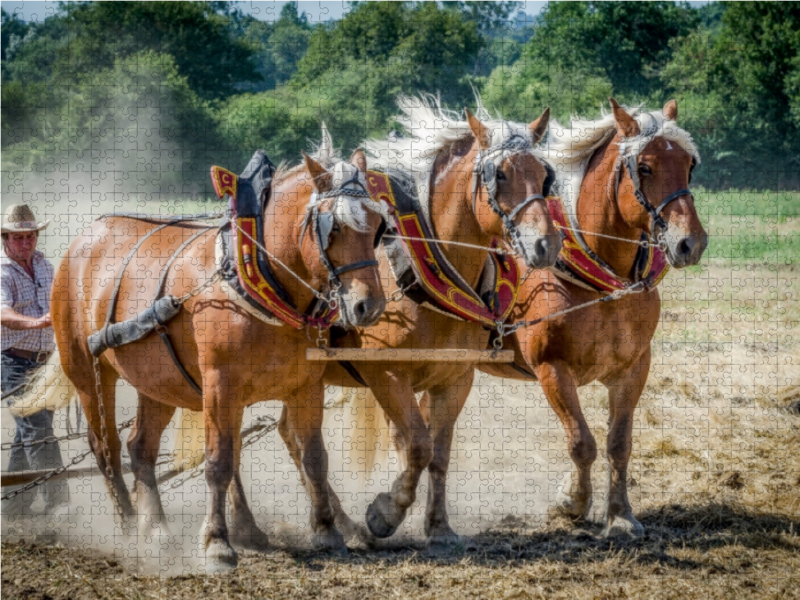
(397, 399)
(342, 520)
(110, 443)
(445, 404)
(223, 422)
(560, 387)
(245, 533)
(623, 397)
(144, 441)
(304, 417)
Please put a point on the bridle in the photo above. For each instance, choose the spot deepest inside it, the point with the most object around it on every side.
(323, 223)
(627, 158)
(486, 171)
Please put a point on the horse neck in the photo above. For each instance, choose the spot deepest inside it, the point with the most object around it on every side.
(283, 212)
(453, 220)
(598, 212)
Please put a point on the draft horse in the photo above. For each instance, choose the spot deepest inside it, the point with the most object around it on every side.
(623, 180)
(238, 356)
(478, 180)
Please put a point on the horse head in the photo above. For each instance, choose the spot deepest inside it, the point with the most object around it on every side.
(346, 226)
(654, 169)
(509, 188)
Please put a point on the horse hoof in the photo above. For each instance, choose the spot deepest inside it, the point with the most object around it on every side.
(445, 541)
(623, 526)
(220, 558)
(384, 516)
(568, 506)
(330, 541)
(255, 540)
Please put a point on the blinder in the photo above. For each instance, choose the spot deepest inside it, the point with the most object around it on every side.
(325, 223)
(549, 180)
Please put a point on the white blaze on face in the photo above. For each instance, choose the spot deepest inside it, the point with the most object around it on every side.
(350, 211)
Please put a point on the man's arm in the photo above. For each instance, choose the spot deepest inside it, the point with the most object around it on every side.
(13, 320)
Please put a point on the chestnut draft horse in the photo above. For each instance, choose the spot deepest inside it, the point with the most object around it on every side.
(621, 176)
(448, 157)
(238, 357)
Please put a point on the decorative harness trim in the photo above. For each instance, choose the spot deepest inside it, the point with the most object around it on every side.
(430, 277)
(246, 268)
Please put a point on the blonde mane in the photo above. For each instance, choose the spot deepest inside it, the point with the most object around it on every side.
(569, 149)
(429, 130)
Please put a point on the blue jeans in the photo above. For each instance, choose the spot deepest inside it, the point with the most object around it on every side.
(40, 456)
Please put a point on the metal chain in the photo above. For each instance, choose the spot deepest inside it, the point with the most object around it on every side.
(43, 478)
(50, 439)
(58, 470)
(109, 472)
(264, 425)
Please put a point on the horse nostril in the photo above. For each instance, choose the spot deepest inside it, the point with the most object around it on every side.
(368, 310)
(540, 248)
(684, 248)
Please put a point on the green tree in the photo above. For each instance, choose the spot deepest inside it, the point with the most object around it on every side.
(199, 36)
(741, 87)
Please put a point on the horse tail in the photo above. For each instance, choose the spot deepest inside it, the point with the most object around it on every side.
(190, 441)
(49, 388)
(357, 412)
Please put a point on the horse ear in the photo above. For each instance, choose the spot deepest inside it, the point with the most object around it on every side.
(320, 178)
(625, 123)
(359, 160)
(539, 126)
(481, 132)
(670, 110)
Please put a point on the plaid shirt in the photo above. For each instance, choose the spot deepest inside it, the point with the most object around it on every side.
(28, 297)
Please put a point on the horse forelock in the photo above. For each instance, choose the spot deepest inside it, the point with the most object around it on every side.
(351, 211)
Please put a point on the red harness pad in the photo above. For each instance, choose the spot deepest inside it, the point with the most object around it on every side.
(251, 278)
(585, 267)
(432, 275)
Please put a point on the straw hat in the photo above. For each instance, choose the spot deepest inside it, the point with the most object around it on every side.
(19, 218)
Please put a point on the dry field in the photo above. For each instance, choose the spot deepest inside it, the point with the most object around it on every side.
(714, 478)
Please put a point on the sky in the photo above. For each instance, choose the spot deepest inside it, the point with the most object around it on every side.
(318, 12)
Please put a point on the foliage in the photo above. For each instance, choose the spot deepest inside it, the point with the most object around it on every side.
(742, 90)
(231, 83)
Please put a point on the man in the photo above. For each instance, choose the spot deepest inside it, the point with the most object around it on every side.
(27, 343)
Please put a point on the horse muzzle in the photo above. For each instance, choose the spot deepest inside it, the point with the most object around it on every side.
(362, 311)
(539, 251)
(686, 250)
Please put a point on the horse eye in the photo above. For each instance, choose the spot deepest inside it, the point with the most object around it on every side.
(500, 176)
(645, 170)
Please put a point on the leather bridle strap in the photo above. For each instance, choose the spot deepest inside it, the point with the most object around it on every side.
(486, 172)
(655, 213)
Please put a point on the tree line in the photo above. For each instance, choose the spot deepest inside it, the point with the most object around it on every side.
(175, 86)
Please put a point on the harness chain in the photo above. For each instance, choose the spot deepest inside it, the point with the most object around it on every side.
(58, 470)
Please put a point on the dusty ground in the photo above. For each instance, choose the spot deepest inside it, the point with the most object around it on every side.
(714, 478)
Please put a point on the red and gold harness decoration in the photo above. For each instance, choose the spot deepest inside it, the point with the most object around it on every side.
(251, 279)
(432, 276)
(586, 267)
